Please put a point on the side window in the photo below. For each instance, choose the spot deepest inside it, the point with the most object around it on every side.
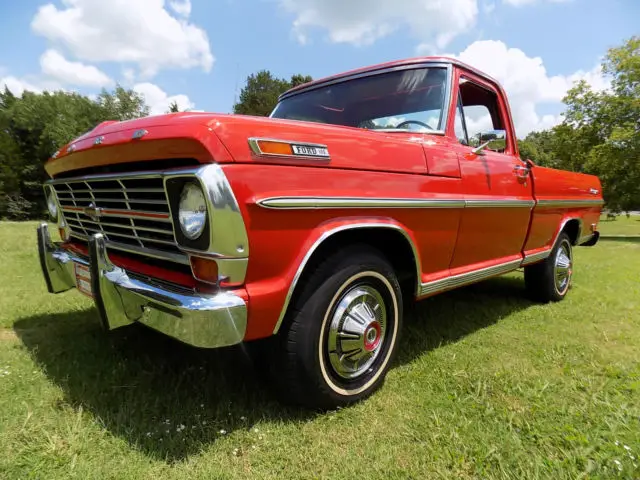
(482, 117)
(460, 127)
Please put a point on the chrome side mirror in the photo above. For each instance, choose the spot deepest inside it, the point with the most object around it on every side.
(492, 140)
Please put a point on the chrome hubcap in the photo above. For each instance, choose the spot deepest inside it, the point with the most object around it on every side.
(357, 331)
(563, 267)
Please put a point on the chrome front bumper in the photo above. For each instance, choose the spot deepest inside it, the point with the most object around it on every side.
(200, 320)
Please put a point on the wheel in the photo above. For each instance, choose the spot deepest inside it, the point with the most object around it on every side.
(549, 280)
(342, 331)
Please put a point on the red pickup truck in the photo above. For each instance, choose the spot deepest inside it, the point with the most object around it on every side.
(308, 231)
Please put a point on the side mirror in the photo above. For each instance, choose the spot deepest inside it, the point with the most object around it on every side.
(492, 140)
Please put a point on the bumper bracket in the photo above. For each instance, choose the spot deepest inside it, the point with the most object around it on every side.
(201, 320)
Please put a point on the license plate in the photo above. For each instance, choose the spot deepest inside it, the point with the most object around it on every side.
(83, 280)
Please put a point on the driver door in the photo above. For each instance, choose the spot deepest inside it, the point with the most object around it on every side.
(497, 191)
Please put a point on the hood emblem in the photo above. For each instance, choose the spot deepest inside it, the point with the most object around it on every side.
(93, 212)
(98, 140)
(139, 133)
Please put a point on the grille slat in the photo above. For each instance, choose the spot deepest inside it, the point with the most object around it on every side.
(119, 190)
(121, 213)
(121, 200)
(132, 213)
(127, 225)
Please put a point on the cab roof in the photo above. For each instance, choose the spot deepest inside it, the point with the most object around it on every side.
(384, 66)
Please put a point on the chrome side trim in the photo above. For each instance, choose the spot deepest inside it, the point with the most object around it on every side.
(467, 278)
(348, 202)
(568, 203)
(510, 203)
(328, 234)
(536, 257)
(374, 202)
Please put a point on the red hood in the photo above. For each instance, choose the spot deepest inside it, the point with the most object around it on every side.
(208, 137)
(176, 135)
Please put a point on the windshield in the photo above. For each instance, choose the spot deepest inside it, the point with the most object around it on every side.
(403, 100)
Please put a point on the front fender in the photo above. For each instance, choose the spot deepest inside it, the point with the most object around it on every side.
(270, 298)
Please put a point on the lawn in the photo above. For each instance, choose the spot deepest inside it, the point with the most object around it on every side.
(620, 226)
(487, 385)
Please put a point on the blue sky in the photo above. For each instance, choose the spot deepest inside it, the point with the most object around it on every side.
(199, 52)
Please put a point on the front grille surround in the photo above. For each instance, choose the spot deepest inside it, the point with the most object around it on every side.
(131, 211)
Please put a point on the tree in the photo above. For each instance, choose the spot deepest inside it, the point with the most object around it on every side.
(260, 94)
(538, 147)
(34, 126)
(173, 107)
(601, 131)
(122, 104)
(297, 80)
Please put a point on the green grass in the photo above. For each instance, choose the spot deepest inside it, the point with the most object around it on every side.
(620, 226)
(487, 385)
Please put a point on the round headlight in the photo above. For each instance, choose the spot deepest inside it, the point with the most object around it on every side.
(192, 211)
(52, 206)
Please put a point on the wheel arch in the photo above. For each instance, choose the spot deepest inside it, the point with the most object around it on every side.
(403, 254)
(572, 226)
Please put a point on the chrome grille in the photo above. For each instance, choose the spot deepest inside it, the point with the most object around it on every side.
(131, 212)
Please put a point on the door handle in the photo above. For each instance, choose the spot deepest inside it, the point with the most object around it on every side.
(521, 171)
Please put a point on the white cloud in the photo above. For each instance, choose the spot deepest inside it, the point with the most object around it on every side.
(526, 81)
(31, 83)
(181, 7)
(520, 3)
(488, 7)
(362, 22)
(141, 32)
(158, 100)
(129, 75)
(56, 66)
(17, 86)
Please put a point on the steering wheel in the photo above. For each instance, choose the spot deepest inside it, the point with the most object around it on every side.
(407, 122)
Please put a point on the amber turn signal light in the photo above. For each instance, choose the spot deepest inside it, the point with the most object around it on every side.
(204, 269)
(271, 147)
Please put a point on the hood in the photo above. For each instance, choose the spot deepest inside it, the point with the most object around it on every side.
(190, 137)
(175, 136)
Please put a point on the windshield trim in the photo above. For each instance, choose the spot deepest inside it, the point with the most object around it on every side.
(446, 102)
(404, 130)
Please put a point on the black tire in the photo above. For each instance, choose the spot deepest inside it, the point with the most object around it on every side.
(543, 280)
(305, 372)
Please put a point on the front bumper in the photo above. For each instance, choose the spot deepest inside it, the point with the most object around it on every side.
(122, 298)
